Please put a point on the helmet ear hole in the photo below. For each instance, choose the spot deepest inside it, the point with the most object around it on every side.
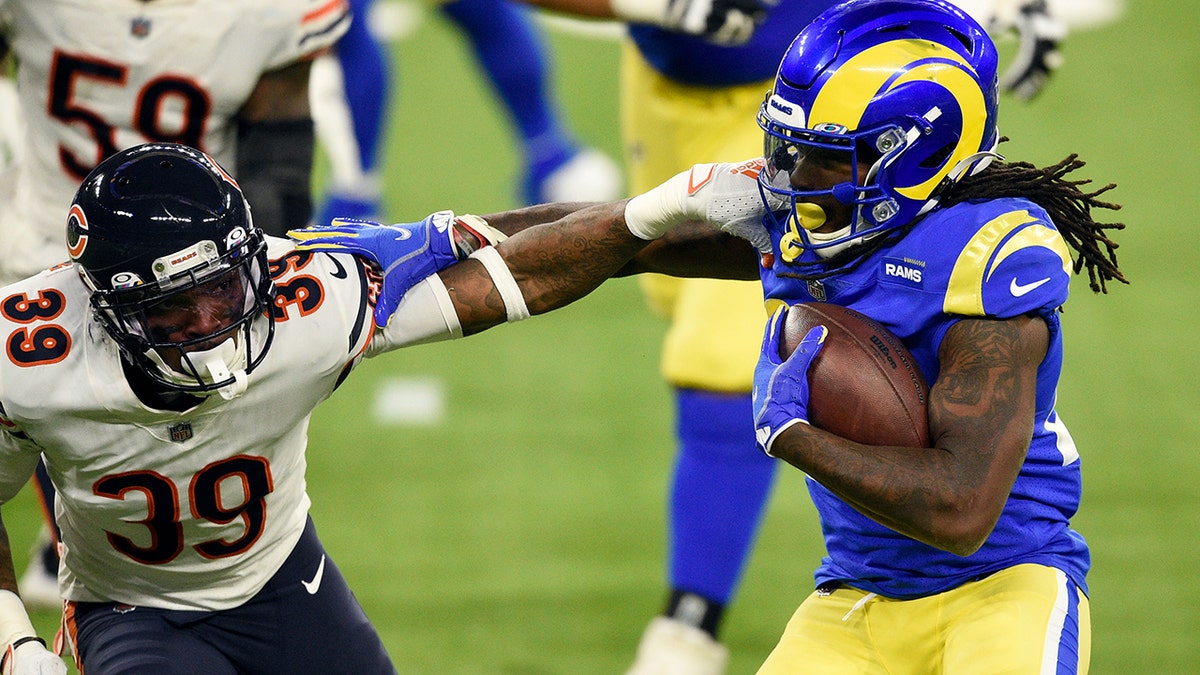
(938, 158)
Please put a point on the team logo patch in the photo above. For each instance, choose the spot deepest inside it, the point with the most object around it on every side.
(181, 432)
(77, 227)
(905, 271)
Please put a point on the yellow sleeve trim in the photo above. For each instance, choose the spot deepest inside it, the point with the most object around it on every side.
(984, 253)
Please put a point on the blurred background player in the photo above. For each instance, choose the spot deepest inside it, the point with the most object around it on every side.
(351, 114)
(688, 97)
(238, 91)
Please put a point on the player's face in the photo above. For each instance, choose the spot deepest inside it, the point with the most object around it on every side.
(819, 169)
(202, 311)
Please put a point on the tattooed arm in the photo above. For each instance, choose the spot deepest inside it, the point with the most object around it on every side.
(981, 416)
(552, 264)
(692, 249)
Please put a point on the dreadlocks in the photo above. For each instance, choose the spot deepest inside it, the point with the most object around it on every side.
(1070, 209)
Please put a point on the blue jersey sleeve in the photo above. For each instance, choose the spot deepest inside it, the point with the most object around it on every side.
(1015, 263)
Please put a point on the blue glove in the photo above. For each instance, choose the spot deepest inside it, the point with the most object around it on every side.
(781, 387)
(405, 253)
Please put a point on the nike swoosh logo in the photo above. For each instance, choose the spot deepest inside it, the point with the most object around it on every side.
(694, 185)
(312, 586)
(1022, 289)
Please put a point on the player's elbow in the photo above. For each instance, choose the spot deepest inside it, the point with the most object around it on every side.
(964, 529)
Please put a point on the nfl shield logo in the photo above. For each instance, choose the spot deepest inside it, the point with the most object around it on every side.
(181, 432)
(816, 289)
(139, 27)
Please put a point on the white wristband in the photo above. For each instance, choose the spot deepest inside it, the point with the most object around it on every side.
(641, 11)
(510, 292)
(14, 620)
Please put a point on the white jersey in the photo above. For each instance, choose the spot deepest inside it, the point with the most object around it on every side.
(179, 510)
(98, 76)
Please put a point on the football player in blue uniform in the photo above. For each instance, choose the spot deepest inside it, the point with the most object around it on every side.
(881, 141)
(688, 95)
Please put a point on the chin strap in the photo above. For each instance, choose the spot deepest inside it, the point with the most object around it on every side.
(218, 364)
(973, 164)
(219, 371)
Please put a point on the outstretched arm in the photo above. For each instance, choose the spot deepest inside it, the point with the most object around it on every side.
(545, 266)
(729, 22)
(691, 249)
(552, 265)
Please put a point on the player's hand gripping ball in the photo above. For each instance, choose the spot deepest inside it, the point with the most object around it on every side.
(781, 390)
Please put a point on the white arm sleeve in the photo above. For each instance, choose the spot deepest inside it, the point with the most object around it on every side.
(426, 314)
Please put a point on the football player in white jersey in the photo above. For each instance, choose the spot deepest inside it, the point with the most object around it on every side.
(229, 78)
(213, 74)
(167, 374)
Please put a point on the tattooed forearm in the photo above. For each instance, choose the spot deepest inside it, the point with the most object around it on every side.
(981, 419)
(512, 222)
(559, 263)
(553, 264)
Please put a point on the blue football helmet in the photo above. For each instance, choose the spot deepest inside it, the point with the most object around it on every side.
(903, 88)
(152, 228)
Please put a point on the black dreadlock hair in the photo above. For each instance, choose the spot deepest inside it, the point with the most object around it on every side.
(1069, 207)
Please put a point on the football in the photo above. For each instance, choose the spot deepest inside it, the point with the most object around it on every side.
(864, 385)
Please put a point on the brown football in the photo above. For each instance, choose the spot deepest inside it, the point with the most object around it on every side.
(864, 385)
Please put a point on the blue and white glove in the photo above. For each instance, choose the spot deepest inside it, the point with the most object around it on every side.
(781, 386)
(405, 253)
(724, 22)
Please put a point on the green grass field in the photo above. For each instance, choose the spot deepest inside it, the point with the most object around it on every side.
(524, 533)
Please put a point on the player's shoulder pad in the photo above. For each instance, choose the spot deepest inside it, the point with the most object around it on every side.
(334, 284)
(1008, 259)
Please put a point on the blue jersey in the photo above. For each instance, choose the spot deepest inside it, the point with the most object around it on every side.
(996, 258)
(692, 60)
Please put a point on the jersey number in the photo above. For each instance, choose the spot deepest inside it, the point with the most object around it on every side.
(69, 71)
(252, 476)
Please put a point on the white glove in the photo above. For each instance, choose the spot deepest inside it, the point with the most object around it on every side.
(1038, 56)
(24, 653)
(1039, 34)
(30, 657)
(725, 22)
(724, 195)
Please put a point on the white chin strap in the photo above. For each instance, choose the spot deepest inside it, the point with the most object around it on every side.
(215, 365)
